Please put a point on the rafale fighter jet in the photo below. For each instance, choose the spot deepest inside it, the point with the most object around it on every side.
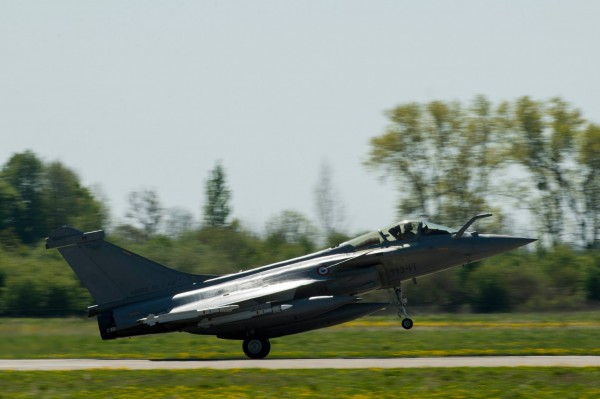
(136, 296)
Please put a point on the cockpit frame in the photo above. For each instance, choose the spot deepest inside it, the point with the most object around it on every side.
(406, 231)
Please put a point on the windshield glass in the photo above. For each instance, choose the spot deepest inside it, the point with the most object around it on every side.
(365, 241)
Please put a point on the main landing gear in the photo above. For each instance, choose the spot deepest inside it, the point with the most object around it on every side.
(256, 347)
(407, 322)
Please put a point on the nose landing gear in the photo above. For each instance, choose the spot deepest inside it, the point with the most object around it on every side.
(407, 322)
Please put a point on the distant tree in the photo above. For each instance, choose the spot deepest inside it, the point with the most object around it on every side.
(66, 202)
(100, 196)
(178, 221)
(291, 227)
(10, 209)
(543, 140)
(218, 197)
(330, 211)
(36, 198)
(589, 160)
(436, 153)
(228, 249)
(145, 212)
(24, 172)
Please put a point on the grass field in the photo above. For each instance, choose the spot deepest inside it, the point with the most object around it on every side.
(438, 335)
(372, 383)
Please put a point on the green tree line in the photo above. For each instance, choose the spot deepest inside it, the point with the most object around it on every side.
(36, 197)
(448, 161)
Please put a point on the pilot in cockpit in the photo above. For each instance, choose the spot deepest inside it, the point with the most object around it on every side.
(408, 232)
(404, 232)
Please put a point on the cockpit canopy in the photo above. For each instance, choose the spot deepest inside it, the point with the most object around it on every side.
(397, 233)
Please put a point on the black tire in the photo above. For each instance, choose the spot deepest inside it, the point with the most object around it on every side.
(256, 348)
(407, 323)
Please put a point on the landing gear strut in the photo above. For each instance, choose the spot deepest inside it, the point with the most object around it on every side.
(407, 322)
(256, 347)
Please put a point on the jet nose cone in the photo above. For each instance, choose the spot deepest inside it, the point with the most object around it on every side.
(510, 242)
(488, 244)
(524, 241)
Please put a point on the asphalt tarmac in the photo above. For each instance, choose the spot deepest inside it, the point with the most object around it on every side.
(136, 364)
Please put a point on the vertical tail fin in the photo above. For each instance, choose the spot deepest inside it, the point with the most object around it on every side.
(112, 274)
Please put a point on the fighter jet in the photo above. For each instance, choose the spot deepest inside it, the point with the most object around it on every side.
(136, 296)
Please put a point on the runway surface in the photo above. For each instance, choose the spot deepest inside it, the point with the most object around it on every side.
(130, 364)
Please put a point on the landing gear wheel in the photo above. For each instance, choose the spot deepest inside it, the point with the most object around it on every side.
(256, 348)
(407, 323)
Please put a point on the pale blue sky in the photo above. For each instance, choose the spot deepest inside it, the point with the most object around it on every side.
(150, 94)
